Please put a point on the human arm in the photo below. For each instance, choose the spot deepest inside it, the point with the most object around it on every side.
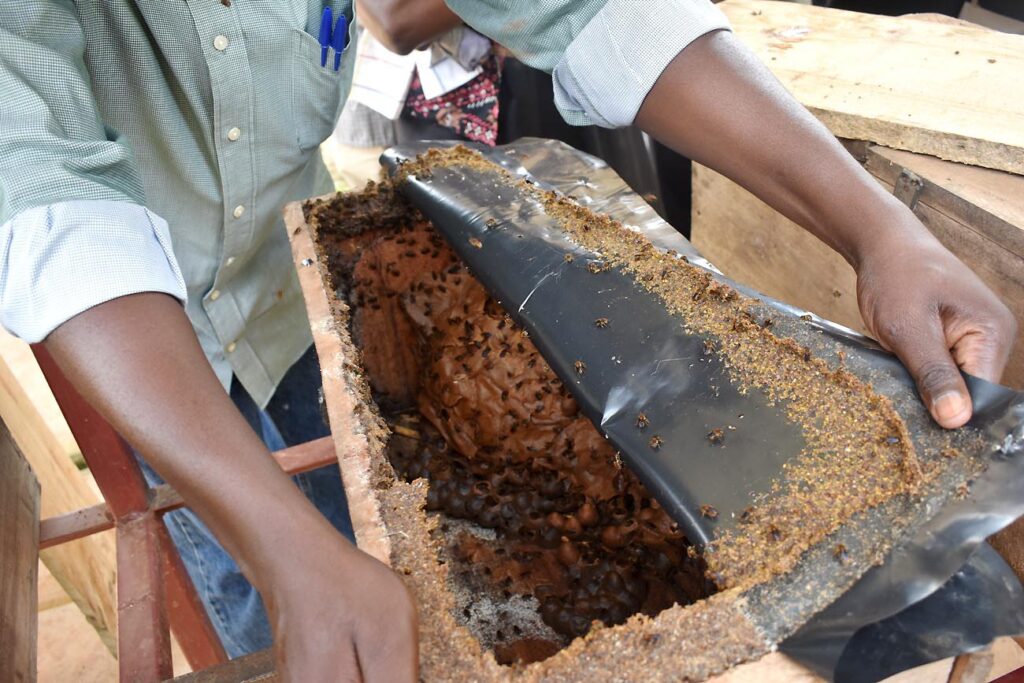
(334, 610)
(86, 267)
(717, 104)
(404, 25)
(672, 68)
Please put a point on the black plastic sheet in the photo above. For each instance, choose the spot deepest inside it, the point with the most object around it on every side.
(645, 361)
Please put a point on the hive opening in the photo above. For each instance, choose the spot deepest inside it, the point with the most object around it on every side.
(544, 530)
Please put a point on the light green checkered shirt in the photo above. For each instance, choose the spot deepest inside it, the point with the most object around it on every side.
(149, 145)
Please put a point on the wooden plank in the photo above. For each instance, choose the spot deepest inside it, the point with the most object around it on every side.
(85, 568)
(1008, 656)
(989, 201)
(51, 594)
(949, 90)
(19, 562)
(18, 356)
(351, 445)
(75, 525)
(973, 667)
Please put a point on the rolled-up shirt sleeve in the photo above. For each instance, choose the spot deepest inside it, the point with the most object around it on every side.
(59, 260)
(604, 56)
(609, 68)
(74, 232)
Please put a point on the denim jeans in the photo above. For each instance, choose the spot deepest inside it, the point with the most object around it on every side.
(293, 416)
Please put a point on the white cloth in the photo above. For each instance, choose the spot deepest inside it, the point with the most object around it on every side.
(612, 64)
(56, 262)
(381, 78)
(443, 76)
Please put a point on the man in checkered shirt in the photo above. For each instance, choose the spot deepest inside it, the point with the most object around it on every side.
(146, 149)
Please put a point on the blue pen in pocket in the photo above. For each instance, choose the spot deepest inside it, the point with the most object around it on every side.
(326, 19)
(339, 39)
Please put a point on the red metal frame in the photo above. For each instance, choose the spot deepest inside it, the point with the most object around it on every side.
(1016, 676)
(73, 525)
(153, 589)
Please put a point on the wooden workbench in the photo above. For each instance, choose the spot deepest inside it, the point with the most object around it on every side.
(942, 87)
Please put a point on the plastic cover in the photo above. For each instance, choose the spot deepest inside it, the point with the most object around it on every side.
(851, 622)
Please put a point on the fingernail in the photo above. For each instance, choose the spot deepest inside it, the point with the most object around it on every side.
(951, 408)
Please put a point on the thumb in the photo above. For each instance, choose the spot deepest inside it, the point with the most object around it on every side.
(923, 349)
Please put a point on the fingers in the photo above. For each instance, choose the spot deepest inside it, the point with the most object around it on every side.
(922, 346)
(390, 654)
(317, 658)
(936, 315)
(984, 351)
(393, 663)
(401, 667)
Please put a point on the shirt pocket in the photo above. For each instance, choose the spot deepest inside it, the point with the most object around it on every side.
(316, 90)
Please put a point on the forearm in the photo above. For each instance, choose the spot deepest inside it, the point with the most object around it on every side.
(404, 25)
(718, 105)
(137, 360)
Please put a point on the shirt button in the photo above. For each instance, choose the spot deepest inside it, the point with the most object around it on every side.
(221, 43)
(214, 295)
(234, 134)
(230, 348)
(239, 210)
(231, 259)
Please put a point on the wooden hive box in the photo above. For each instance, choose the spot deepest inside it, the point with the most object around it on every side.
(390, 524)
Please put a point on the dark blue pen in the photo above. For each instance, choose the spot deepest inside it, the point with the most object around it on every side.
(339, 39)
(325, 34)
